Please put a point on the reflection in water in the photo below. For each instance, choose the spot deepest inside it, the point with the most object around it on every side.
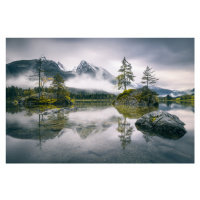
(94, 134)
(126, 130)
(31, 124)
(164, 135)
(168, 105)
(51, 126)
(41, 127)
(11, 108)
(135, 112)
(89, 121)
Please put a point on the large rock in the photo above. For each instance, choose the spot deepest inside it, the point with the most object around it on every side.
(137, 97)
(161, 123)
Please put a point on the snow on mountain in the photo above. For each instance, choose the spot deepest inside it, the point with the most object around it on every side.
(85, 68)
(61, 66)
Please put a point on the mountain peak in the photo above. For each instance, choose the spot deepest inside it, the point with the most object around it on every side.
(85, 67)
(61, 66)
(83, 62)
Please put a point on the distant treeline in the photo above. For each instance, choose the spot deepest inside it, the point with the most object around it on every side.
(84, 95)
(16, 93)
(183, 97)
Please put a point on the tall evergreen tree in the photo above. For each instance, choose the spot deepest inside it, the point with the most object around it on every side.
(148, 77)
(126, 76)
(58, 86)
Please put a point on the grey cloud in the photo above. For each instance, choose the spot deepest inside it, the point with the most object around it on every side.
(160, 53)
(166, 52)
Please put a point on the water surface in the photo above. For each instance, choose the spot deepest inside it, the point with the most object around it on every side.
(95, 133)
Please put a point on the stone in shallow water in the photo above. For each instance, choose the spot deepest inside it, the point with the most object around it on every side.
(161, 123)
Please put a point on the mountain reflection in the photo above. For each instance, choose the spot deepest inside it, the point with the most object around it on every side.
(31, 124)
(91, 121)
(126, 131)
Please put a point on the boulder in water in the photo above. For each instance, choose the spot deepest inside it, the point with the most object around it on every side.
(161, 123)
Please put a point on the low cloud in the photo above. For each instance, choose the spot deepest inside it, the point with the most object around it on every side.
(88, 83)
(23, 81)
(81, 82)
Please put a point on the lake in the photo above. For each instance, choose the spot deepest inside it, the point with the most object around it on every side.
(95, 133)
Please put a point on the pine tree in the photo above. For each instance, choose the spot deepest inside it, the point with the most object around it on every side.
(148, 77)
(126, 76)
(58, 86)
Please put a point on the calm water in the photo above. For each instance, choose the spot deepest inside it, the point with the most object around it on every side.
(94, 134)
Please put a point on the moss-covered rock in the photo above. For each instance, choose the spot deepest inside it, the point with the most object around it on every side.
(137, 97)
(45, 98)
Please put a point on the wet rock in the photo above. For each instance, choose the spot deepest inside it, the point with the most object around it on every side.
(62, 110)
(47, 112)
(54, 110)
(161, 123)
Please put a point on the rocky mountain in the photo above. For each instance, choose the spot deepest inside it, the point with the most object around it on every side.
(50, 67)
(61, 66)
(84, 68)
(24, 67)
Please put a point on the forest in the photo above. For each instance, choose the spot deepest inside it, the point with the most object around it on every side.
(16, 93)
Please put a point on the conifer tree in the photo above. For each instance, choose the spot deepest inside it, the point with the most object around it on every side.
(126, 76)
(148, 77)
(58, 86)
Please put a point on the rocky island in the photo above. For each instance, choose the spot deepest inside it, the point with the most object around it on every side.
(137, 97)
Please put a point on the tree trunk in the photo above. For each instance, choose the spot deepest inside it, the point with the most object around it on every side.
(39, 83)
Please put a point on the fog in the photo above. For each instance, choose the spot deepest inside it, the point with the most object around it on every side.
(86, 82)
(80, 82)
(23, 81)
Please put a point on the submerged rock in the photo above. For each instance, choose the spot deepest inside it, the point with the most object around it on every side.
(47, 112)
(55, 110)
(62, 110)
(161, 123)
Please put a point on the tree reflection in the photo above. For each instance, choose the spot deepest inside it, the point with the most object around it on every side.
(50, 126)
(126, 130)
(135, 112)
(36, 126)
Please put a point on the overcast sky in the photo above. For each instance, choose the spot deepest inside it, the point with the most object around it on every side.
(171, 58)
